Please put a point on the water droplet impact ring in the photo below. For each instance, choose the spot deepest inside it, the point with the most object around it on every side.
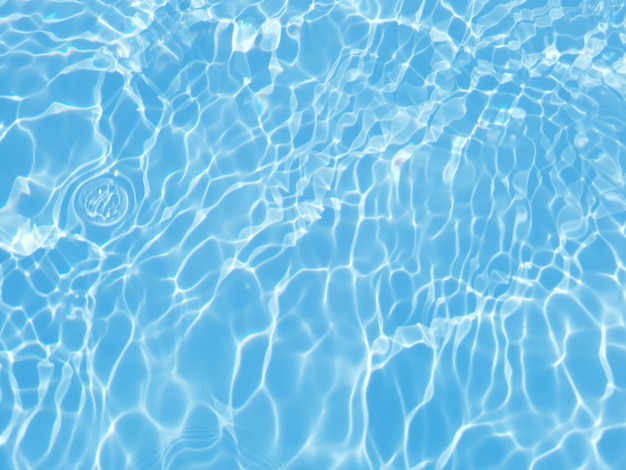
(102, 202)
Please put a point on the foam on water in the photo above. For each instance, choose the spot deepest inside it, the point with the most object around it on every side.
(312, 235)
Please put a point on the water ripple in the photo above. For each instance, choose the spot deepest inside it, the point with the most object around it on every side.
(312, 234)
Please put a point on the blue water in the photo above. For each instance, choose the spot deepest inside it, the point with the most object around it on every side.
(313, 234)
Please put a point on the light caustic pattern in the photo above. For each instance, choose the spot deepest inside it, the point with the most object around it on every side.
(312, 234)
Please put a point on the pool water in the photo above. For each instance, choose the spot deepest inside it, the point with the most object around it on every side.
(313, 234)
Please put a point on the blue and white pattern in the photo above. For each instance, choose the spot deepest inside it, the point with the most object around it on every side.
(350, 234)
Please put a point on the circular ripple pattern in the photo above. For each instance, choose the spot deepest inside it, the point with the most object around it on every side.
(102, 202)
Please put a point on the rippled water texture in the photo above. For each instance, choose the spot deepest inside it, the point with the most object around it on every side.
(102, 202)
(312, 234)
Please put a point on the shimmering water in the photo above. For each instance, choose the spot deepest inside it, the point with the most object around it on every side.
(101, 202)
(312, 234)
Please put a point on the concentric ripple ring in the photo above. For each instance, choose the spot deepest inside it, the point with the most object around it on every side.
(102, 201)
